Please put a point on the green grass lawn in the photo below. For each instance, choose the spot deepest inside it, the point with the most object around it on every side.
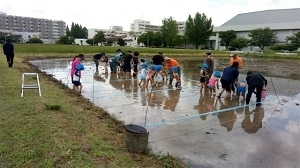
(79, 134)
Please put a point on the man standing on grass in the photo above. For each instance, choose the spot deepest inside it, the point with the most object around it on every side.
(8, 49)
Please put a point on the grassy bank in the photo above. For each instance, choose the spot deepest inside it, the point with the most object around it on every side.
(79, 134)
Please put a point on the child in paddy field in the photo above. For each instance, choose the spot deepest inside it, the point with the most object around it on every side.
(76, 78)
(158, 78)
(144, 72)
(213, 82)
(151, 72)
(176, 78)
(203, 76)
(241, 89)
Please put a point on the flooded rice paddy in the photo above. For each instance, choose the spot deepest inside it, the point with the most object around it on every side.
(200, 129)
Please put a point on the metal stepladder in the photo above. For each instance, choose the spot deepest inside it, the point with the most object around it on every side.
(30, 86)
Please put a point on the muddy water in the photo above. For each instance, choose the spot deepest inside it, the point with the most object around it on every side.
(202, 130)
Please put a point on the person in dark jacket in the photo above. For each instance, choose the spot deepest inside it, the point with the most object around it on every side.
(8, 49)
(256, 82)
(229, 75)
(97, 58)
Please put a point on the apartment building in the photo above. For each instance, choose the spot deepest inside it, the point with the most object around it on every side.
(113, 31)
(49, 29)
(140, 26)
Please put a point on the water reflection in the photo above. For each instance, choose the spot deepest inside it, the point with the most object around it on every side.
(227, 119)
(172, 99)
(254, 125)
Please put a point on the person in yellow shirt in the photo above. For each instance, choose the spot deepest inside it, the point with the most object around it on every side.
(235, 58)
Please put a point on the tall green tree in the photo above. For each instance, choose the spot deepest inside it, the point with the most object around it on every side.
(226, 37)
(147, 39)
(77, 31)
(169, 31)
(157, 39)
(239, 43)
(68, 32)
(294, 40)
(262, 37)
(198, 29)
(99, 38)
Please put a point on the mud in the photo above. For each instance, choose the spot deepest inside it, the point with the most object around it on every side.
(200, 129)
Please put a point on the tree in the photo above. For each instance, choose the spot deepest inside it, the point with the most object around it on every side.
(68, 32)
(239, 43)
(77, 31)
(66, 40)
(157, 39)
(89, 41)
(262, 37)
(142, 39)
(198, 29)
(35, 40)
(226, 37)
(121, 42)
(179, 40)
(169, 31)
(294, 41)
(147, 38)
(99, 38)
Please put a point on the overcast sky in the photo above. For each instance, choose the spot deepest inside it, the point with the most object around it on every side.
(105, 13)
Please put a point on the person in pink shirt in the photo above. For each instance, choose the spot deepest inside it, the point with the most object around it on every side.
(77, 59)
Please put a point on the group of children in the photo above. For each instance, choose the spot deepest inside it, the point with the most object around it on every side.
(213, 82)
(156, 74)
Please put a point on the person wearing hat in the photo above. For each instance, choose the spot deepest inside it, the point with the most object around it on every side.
(235, 58)
(210, 62)
(77, 76)
(77, 60)
(213, 82)
(170, 63)
(8, 49)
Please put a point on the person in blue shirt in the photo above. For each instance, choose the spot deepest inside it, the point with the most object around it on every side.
(228, 78)
(113, 62)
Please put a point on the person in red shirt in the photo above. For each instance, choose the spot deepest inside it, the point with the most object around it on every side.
(168, 65)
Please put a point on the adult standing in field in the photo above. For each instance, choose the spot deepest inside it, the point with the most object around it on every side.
(210, 62)
(135, 61)
(114, 61)
(158, 59)
(256, 82)
(128, 59)
(8, 49)
(76, 61)
(97, 58)
(235, 58)
(170, 64)
(230, 74)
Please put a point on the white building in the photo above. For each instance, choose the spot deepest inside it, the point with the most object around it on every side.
(49, 29)
(107, 32)
(181, 27)
(284, 22)
(139, 26)
(25, 36)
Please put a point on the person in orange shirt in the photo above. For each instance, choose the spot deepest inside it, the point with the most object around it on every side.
(169, 64)
(235, 58)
